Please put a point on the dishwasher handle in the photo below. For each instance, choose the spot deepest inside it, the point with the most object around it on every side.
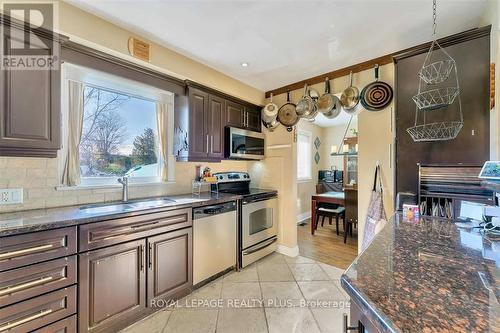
(212, 210)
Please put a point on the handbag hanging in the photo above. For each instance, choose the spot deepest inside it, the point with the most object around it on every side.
(375, 217)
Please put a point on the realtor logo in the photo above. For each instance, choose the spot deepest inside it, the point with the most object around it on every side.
(29, 41)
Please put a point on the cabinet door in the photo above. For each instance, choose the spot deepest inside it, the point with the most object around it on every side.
(198, 108)
(215, 121)
(253, 120)
(112, 287)
(234, 114)
(29, 110)
(169, 265)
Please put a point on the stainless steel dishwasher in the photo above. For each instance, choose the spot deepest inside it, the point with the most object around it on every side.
(214, 240)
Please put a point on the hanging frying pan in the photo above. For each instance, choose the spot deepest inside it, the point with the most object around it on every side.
(329, 104)
(350, 97)
(270, 111)
(377, 95)
(305, 106)
(287, 114)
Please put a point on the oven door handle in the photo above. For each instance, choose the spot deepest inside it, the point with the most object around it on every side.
(264, 245)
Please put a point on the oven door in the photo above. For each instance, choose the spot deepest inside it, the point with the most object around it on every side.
(243, 144)
(259, 221)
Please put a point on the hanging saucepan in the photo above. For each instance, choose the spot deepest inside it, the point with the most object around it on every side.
(270, 111)
(377, 95)
(313, 93)
(287, 114)
(350, 98)
(305, 106)
(329, 104)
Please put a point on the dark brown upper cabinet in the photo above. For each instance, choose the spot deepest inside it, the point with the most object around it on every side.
(215, 129)
(235, 114)
(253, 119)
(30, 115)
(245, 117)
(200, 118)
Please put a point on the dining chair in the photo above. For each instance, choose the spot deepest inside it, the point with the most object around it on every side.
(330, 212)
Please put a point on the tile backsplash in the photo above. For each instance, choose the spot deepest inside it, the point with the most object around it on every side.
(39, 178)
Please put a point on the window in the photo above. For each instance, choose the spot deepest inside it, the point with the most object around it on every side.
(304, 156)
(119, 136)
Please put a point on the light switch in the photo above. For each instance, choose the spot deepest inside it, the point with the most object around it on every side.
(11, 196)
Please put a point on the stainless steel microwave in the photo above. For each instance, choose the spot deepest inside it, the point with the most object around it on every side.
(243, 144)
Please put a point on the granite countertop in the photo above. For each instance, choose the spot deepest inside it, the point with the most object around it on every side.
(51, 218)
(428, 275)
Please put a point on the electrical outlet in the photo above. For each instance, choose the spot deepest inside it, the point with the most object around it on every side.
(11, 196)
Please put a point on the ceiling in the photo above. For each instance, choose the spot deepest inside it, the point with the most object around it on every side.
(289, 40)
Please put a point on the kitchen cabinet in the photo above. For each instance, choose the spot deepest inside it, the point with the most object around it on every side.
(112, 286)
(201, 116)
(253, 119)
(132, 261)
(169, 264)
(245, 117)
(30, 114)
(215, 126)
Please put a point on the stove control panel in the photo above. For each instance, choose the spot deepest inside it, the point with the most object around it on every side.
(228, 177)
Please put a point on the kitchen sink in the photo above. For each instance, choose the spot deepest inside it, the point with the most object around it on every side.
(135, 205)
(110, 208)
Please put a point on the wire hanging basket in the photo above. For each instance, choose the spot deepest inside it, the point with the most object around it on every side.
(436, 98)
(440, 131)
(437, 68)
(436, 71)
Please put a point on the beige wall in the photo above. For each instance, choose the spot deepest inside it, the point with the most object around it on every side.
(305, 188)
(39, 176)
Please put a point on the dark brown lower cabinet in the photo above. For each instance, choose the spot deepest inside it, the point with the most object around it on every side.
(66, 325)
(112, 287)
(169, 265)
(39, 311)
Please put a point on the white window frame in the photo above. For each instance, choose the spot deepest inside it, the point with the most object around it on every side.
(124, 86)
(309, 160)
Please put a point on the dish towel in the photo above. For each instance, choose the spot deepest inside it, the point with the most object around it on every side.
(375, 217)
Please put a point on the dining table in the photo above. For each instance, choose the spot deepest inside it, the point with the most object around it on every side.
(326, 197)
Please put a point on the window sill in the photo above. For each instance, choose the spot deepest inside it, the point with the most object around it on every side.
(109, 186)
(304, 180)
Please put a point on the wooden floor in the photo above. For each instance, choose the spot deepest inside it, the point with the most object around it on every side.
(325, 246)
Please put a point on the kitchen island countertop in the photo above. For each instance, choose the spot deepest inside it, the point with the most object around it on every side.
(428, 275)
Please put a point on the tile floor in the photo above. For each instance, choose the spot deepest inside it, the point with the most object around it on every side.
(277, 294)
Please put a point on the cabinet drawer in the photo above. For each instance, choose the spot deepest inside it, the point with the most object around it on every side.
(22, 283)
(39, 311)
(26, 249)
(67, 325)
(111, 232)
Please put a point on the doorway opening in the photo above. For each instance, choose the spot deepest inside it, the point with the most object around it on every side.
(327, 183)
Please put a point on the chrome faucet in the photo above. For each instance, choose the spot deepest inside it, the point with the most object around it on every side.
(124, 181)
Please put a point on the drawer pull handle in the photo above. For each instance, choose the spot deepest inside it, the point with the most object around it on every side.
(13, 289)
(8, 326)
(25, 251)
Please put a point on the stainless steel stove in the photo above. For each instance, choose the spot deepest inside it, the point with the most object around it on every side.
(258, 218)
